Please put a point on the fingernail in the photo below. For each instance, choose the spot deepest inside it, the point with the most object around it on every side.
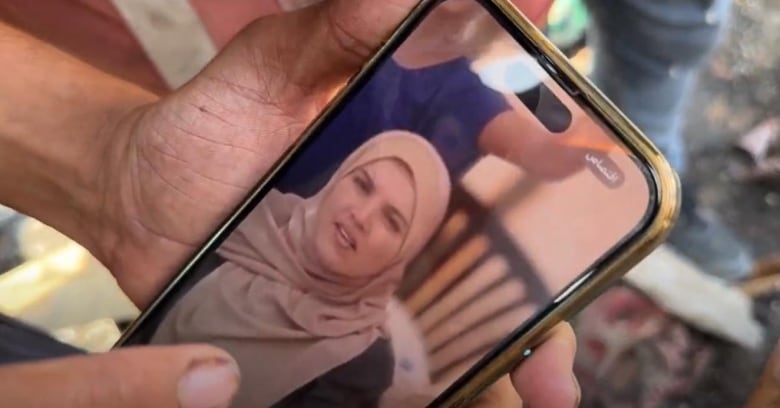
(577, 389)
(209, 384)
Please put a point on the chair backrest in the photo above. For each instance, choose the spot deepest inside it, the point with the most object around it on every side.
(471, 288)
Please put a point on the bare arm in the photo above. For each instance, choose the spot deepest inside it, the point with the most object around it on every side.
(56, 115)
(520, 138)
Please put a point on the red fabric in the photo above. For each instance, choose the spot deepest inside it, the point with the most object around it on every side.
(633, 354)
(94, 31)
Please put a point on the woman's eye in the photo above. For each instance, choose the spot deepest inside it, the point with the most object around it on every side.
(362, 184)
(394, 224)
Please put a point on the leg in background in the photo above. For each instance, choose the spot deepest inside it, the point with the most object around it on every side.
(648, 56)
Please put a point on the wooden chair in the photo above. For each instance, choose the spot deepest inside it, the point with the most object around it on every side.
(468, 290)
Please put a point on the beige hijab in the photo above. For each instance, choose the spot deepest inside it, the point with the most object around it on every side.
(273, 307)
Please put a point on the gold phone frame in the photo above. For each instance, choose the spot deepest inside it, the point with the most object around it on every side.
(581, 293)
(572, 299)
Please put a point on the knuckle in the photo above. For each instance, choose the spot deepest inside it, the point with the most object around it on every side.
(108, 387)
(350, 35)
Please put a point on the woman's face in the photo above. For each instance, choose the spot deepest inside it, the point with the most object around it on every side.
(363, 221)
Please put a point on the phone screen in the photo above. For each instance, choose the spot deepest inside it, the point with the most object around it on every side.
(457, 192)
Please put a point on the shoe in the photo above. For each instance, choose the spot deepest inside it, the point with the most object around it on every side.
(704, 239)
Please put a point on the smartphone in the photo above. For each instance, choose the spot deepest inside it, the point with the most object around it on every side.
(464, 193)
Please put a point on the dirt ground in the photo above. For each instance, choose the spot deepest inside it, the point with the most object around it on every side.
(739, 90)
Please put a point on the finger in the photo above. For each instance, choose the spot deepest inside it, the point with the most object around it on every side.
(344, 35)
(311, 50)
(176, 377)
(283, 60)
(547, 378)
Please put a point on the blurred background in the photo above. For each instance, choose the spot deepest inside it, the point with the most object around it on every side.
(640, 344)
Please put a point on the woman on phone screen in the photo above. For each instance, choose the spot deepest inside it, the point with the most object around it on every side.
(300, 300)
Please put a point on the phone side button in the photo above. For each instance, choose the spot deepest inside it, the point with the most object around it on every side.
(564, 82)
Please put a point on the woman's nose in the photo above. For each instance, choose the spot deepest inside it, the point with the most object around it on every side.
(364, 214)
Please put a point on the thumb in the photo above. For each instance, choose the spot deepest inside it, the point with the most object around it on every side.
(283, 59)
(176, 377)
(344, 34)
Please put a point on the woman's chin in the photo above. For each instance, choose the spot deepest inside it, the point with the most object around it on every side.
(332, 259)
(343, 264)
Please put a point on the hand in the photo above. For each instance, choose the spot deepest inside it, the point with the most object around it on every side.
(163, 173)
(180, 376)
(204, 377)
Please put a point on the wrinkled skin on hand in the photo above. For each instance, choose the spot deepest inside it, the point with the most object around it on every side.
(162, 174)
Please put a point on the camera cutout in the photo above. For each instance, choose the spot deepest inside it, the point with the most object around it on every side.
(526, 82)
(547, 108)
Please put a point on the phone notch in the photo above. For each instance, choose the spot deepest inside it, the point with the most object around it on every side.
(550, 111)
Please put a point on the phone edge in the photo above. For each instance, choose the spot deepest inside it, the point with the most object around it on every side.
(654, 232)
(650, 236)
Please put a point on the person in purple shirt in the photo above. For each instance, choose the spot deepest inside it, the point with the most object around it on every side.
(429, 88)
(446, 103)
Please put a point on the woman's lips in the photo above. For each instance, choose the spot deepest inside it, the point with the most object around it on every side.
(344, 238)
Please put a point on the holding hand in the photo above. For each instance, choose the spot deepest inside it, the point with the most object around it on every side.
(142, 181)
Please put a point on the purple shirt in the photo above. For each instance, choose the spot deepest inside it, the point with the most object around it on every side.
(447, 104)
